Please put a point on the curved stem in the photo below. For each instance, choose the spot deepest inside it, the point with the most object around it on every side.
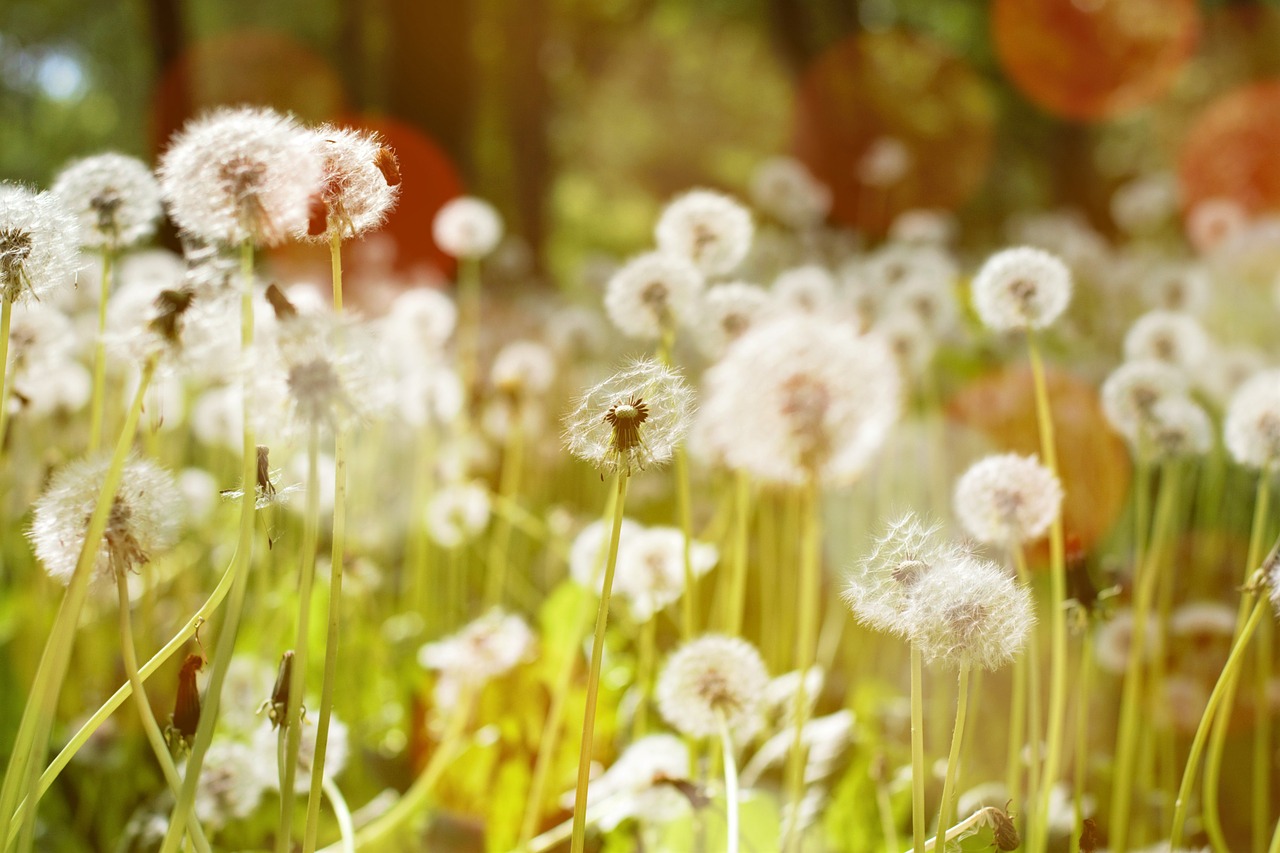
(149, 725)
(946, 808)
(346, 829)
(593, 679)
(730, 783)
(917, 749)
(97, 402)
(807, 628)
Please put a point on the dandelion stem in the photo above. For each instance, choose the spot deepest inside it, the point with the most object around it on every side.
(291, 729)
(946, 807)
(469, 328)
(917, 749)
(1218, 735)
(1080, 770)
(1229, 672)
(593, 679)
(689, 601)
(508, 489)
(730, 782)
(97, 402)
(738, 569)
(1057, 613)
(337, 557)
(1033, 713)
(6, 320)
(346, 830)
(807, 628)
(154, 736)
(644, 673)
(42, 703)
(240, 575)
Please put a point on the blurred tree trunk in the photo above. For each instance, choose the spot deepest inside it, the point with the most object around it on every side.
(528, 107)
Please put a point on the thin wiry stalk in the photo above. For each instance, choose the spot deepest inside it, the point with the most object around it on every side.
(97, 403)
(806, 650)
(946, 808)
(730, 783)
(1081, 770)
(6, 320)
(917, 749)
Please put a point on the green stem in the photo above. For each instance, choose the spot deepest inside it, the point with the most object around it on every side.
(239, 580)
(32, 740)
(738, 569)
(508, 488)
(644, 673)
(730, 783)
(1057, 612)
(149, 725)
(346, 829)
(298, 674)
(1082, 737)
(946, 807)
(1031, 667)
(97, 402)
(593, 679)
(917, 749)
(417, 547)
(1229, 672)
(6, 320)
(689, 601)
(469, 329)
(1264, 658)
(807, 628)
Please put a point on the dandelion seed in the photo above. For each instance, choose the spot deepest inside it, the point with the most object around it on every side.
(710, 676)
(38, 241)
(1008, 499)
(115, 199)
(710, 229)
(467, 227)
(1021, 288)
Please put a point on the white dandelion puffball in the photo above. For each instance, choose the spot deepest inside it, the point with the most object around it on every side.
(728, 311)
(652, 294)
(886, 161)
(923, 226)
(467, 227)
(1251, 428)
(810, 289)
(912, 342)
(1169, 336)
(1021, 288)
(1007, 499)
(1178, 426)
(708, 228)
(143, 520)
(486, 648)
(240, 175)
(523, 368)
(1131, 391)
(457, 514)
(635, 785)
(360, 180)
(631, 420)
(801, 396)
(115, 198)
(590, 551)
(1178, 287)
(38, 241)
(650, 572)
(969, 612)
(337, 750)
(879, 587)
(1114, 641)
(233, 779)
(786, 190)
(710, 676)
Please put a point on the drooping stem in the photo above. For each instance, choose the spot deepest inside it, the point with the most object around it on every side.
(946, 808)
(240, 573)
(22, 775)
(1057, 611)
(337, 558)
(917, 749)
(593, 678)
(1081, 769)
(149, 725)
(807, 628)
(730, 783)
(291, 728)
(97, 402)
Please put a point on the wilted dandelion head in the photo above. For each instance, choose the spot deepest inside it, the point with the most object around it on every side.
(631, 420)
(650, 572)
(484, 649)
(241, 174)
(360, 179)
(801, 397)
(783, 188)
(879, 587)
(1021, 288)
(969, 612)
(458, 513)
(1251, 428)
(115, 198)
(728, 311)
(1131, 392)
(1173, 337)
(1178, 426)
(710, 229)
(467, 227)
(1007, 499)
(143, 520)
(709, 676)
(652, 294)
(809, 289)
(38, 241)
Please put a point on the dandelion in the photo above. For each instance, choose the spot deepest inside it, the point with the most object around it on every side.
(38, 240)
(488, 647)
(360, 179)
(240, 175)
(590, 547)
(458, 514)
(1131, 392)
(786, 190)
(886, 161)
(923, 227)
(637, 784)
(337, 749)
(1144, 203)
(115, 199)
(728, 312)
(1178, 427)
(1203, 621)
(650, 573)
(1021, 288)
(879, 587)
(652, 294)
(142, 523)
(633, 419)
(467, 227)
(710, 229)
(910, 340)
(929, 300)
(1115, 638)
(710, 677)
(1222, 373)
(233, 779)
(1178, 287)
(1214, 222)
(1251, 428)
(1008, 499)
(523, 369)
(1169, 336)
(809, 289)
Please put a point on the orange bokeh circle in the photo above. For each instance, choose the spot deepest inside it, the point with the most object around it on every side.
(1230, 153)
(891, 121)
(1094, 59)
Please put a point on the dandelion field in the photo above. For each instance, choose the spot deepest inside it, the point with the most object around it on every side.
(816, 519)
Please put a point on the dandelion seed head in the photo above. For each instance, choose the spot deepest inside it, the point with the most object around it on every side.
(1021, 288)
(713, 675)
(633, 787)
(909, 339)
(929, 300)
(38, 243)
(241, 174)
(1251, 428)
(1178, 426)
(650, 572)
(1214, 222)
(878, 589)
(1227, 368)
(337, 751)
(711, 230)
(1131, 391)
(1143, 204)
(142, 521)
(810, 289)
(467, 227)
(1114, 639)
(631, 420)
(523, 368)
(358, 186)
(458, 513)
(969, 612)
(483, 650)
(1178, 287)
(653, 293)
(590, 550)
(886, 161)
(923, 227)
(114, 198)
(1203, 620)
(1169, 336)
(1007, 499)
(232, 782)
(728, 312)
(784, 189)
